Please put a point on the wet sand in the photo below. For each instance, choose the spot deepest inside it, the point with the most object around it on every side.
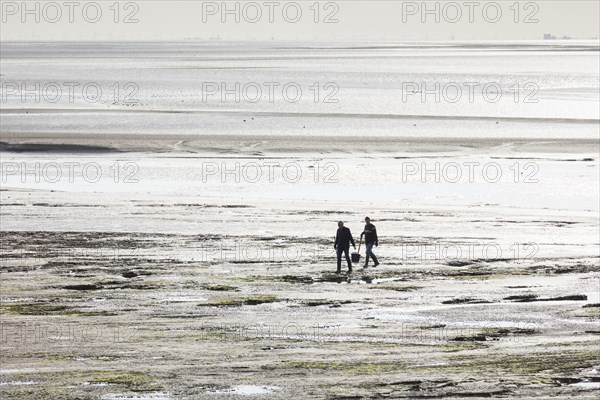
(163, 281)
(158, 295)
(16, 142)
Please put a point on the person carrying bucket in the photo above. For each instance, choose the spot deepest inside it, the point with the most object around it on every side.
(370, 234)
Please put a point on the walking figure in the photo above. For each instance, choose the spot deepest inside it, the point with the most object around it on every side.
(343, 238)
(370, 233)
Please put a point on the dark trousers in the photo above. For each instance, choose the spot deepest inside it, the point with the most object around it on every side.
(346, 251)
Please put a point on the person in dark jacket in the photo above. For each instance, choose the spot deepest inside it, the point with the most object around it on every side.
(370, 233)
(343, 238)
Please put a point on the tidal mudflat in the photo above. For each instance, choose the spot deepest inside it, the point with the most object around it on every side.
(181, 249)
(155, 292)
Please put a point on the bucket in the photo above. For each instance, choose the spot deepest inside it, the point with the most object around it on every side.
(356, 256)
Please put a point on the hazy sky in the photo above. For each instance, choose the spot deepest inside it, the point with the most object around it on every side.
(303, 20)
